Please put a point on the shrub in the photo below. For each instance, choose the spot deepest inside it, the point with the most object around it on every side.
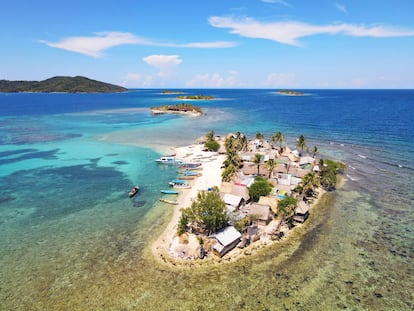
(212, 145)
(260, 187)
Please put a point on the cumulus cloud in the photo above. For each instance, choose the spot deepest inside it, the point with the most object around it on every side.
(95, 45)
(214, 80)
(165, 63)
(289, 32)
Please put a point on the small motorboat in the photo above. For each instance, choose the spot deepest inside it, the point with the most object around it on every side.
(181, 186)
(168, 160)
(190, 165)
(178, 182)
(169, 191)
(133, 191)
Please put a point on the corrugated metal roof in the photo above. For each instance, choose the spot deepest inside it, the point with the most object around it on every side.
(227, 235)
(232, 199)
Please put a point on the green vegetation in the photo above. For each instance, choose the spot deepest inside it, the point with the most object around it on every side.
(177, 108)
(207, 212)
(270, 164)
(211, 144)
(307, 188)
(290, 92)
(257, 160)
(171, 92)
(233, 144)
(228, 173)
(286, 207)
(328, 171)
(244, 223)
(196, 97)
(260, 187)
(301, 142)
(315, 151)
(76, 84)
(259, 136)
(183, 222)
(278, 137)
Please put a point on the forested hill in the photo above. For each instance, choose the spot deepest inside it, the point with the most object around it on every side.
(62, 84)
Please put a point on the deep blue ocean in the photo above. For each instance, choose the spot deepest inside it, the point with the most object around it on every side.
(72, 239)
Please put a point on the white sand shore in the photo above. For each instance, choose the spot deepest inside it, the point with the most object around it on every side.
(211, 176)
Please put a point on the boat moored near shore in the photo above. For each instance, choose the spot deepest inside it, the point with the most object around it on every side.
(133, 191)
(169, 160)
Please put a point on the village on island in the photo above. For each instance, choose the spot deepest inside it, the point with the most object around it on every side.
(233, 195)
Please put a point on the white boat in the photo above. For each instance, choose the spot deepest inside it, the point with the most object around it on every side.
(168, 160)
(181, 186)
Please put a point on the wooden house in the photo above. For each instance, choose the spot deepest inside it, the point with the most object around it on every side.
(301, 212)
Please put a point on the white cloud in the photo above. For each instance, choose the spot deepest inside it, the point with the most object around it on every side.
(340, 7)
(277, 2)
(95, 45)
(165, 63)
(214, 80)
(289, 32)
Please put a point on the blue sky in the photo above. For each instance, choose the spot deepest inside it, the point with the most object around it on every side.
(212, 44)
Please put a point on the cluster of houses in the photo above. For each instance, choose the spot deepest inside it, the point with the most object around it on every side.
(287, 173)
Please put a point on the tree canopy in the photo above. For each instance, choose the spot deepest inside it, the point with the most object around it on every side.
(208, 211)
(286, 207)
(260, 187)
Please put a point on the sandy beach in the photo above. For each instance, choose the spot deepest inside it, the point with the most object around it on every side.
(167, 243)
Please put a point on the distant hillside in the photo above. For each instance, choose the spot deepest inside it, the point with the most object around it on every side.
(76, 84)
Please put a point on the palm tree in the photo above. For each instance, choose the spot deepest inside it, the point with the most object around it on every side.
(259, 136)
(210, 135)
(301, 143)
(244, 143)
(232, 158)
(315, 151)
(229, 144)
(278, 137)
(270, 166)
(257, 160)
(309, 182)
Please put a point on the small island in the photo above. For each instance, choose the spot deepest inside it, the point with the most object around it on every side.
(178, 108)
(291, 93)
(242, 196)
(172, 92)
(196, 97)
(60, 84)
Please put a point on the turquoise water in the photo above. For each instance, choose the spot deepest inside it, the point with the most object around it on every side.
(72, 239)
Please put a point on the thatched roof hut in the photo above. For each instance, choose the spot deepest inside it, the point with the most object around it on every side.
(270, 201)
(263, 213)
